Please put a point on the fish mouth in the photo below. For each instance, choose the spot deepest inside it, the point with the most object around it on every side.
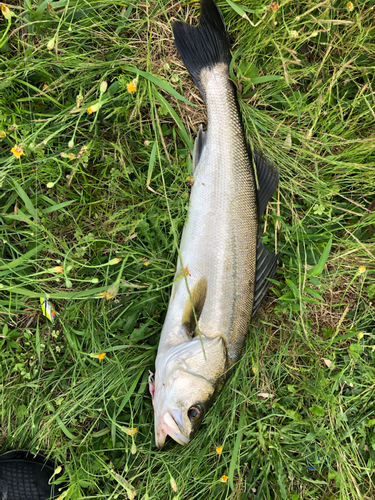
(169, 427)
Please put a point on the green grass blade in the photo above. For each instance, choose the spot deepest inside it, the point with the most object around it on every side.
(37, 340)
(236, 449)
(182, 129)
(28, 204)
(20, 260)
(151, 163)
(129, 393)
(319, 268)
(158, 82)
(57, 206)
(64, 429)
(266, 78)
(58, 295)
(237, 9)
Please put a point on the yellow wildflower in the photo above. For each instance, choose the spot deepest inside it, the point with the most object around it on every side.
(274, 7)
(103, 294)
(361, 269)
(7, 13)
(145, 261)
(92, 109)
(101, 356)
(57, 269)
(130, 431)
(2, 133)
(114, 261)
(63, 495)
(17, 151)
(132, 87)
(185, 272)
(360, 335)
(219, 449)
(224, 478)
(349, 6)
(51, 10)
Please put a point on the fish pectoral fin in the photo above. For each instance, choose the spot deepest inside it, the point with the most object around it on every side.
(268, 180)
(198, 297)
(266, 268)
(199, 145)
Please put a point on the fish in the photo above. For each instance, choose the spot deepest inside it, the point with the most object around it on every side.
(222, 267)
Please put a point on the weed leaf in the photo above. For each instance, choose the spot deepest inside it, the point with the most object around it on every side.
(318, 269)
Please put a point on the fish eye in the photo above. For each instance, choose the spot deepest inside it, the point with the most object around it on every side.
(195, 412)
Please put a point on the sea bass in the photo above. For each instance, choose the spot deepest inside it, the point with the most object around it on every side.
(222, 268)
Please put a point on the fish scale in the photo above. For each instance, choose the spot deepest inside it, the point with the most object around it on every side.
(216, 290)
(233, 208)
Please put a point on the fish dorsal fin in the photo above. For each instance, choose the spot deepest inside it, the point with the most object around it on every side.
(268, 179)
(198, 295)
(199, 145)
(266, 268)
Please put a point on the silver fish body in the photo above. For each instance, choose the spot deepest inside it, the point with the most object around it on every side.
(213, 293)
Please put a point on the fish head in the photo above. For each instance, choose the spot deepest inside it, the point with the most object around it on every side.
(187, 379)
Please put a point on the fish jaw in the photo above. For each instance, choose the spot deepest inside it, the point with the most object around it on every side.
(169, 427)
(168, 416)
(186, 377)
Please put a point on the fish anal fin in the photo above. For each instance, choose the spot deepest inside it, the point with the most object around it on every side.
(266, 268)
(199, 145)
(198, 296)
(268, 180)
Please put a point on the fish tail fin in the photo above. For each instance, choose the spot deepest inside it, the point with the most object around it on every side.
(205, 45)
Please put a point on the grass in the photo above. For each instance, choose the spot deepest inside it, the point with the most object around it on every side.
(296, 419)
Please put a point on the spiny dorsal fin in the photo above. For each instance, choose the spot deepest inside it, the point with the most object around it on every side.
(268, 179)
(199, 145)
(198, 295)
(266, 268)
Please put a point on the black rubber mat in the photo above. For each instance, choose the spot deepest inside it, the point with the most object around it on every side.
(24, 476)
